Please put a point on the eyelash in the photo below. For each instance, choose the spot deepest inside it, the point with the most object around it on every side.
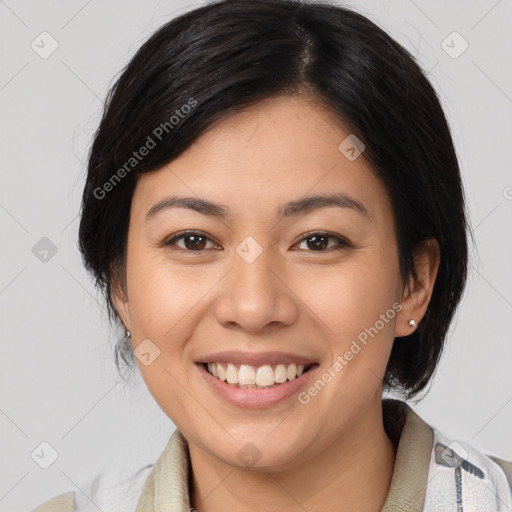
(342, 242)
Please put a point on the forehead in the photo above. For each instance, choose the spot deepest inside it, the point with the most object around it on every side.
(279, 149)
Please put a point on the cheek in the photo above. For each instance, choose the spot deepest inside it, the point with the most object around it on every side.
(163, 296)
(169, 389)
(350, 297)
(355, 304)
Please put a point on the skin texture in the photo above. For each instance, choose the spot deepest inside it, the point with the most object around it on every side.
(293, 298)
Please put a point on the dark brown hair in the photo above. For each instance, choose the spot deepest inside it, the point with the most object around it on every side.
(230, 54)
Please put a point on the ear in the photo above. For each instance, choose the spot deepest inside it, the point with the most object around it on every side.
(417, 292)
(121, 303)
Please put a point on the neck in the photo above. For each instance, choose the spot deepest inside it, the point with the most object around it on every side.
(337, 479)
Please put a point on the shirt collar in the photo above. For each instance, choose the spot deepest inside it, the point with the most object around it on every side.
(410, 474)
(167, 486)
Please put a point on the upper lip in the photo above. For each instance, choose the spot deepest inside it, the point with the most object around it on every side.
(253, 359)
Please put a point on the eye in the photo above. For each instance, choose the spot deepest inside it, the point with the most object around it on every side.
(320, 241)
(194, 241)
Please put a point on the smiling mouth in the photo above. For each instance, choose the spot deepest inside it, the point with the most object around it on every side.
(256, 377)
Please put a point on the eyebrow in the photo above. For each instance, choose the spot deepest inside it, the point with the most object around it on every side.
(290, 209)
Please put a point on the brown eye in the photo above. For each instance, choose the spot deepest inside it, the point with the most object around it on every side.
(193, 241)
(319, 241)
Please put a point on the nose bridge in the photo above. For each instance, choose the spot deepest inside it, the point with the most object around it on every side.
(255, 296)
(255, 282)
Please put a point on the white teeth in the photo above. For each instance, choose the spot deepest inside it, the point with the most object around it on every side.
(280, 373)
(221, 372)
(265, 376)
(246, 375)
(232, 374)
(291, 371)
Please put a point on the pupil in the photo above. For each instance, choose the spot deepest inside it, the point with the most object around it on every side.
(198, 242)
(319, 242)
(322, 245)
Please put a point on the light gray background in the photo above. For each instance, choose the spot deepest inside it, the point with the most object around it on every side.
(58, 382)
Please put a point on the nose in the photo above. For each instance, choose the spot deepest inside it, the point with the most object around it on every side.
(255, 296)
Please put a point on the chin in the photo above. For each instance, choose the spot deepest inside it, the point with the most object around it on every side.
(257, 449)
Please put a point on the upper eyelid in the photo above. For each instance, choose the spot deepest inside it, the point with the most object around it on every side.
(184, 234)
(172, 240)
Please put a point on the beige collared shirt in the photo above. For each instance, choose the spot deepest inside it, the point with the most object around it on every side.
(166, 487)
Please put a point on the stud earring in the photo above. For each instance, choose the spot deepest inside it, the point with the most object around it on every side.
(127, 334)
(412, 323)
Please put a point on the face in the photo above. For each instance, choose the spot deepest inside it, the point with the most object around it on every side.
(268, 282)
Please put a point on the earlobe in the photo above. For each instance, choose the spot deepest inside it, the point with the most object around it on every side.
(419, 289)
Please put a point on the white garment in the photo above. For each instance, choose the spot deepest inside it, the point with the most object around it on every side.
(116, 489)
(461, 479)
(431, 474)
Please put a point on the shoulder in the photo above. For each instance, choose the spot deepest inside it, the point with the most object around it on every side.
(434, 471)
(61, 503)
(505, 465)
(472, 475)
(445, 446)
(117, 488)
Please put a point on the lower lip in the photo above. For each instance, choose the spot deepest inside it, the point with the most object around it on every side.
(254, 397)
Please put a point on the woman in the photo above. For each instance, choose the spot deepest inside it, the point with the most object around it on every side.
(275, 212)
